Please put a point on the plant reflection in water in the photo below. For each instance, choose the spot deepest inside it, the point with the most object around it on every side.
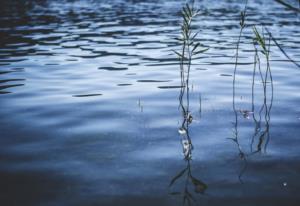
(261, 117)
(261, 132)
(189, 49)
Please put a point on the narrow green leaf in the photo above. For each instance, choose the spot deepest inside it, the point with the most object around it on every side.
(189, 9)
(200, 51)
(186, 21)
(195, 47)
(179, 39)
(185, 12)
(261, 40)
(180, 55)
(197, 12)
(194, 36)
(281, 49)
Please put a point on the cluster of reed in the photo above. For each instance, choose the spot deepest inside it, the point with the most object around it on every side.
(190, 47)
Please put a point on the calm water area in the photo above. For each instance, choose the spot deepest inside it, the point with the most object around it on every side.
(90, 115)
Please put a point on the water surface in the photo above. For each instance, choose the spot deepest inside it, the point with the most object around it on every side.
(90, 112)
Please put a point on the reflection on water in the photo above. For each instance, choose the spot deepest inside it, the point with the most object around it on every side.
(5, 83)
(189, 49)
(262, 123)
(262, 116)
(245, 113)
(88, 104)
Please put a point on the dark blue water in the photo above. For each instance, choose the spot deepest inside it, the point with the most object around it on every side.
(90, 113)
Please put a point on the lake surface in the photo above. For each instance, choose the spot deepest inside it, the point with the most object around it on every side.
(90, 111)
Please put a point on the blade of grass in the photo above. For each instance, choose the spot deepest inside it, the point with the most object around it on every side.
(281, 49)
(288, 5)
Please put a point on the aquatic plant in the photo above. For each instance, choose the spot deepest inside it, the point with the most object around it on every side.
(264, 134)
(257, 121)
(261, 133)
(189, 49)
(235, 137)
(281, 49)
